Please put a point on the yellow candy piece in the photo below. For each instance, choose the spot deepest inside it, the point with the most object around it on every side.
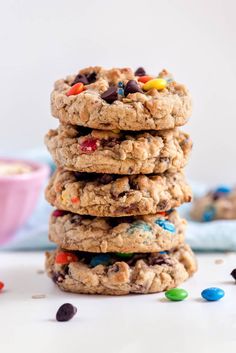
(158, 83)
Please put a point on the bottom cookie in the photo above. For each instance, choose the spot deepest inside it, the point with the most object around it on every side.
(119, 273)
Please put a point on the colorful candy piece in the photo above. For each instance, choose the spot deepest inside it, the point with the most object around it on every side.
(89, 146)
(166, 225)
(224, 189)
(157, 83)
(101, 259)
(76, 89)
(124, 255)
(145, 78)
(58, 213)
(139, 225)
(66, 312)
(1, 285)
(176, 294)
(74, 199)
(163, 252)
(233, 274)
(64, 258)
(209, 214)
(212, 294)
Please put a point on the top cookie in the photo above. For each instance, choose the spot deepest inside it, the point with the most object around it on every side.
(121, 99)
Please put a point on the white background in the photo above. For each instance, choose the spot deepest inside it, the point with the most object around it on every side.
(41, 41)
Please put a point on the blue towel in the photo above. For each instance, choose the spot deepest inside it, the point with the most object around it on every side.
(215, 235)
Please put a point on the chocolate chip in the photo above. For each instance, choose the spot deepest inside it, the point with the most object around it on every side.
(233, 274)
(80, 78)
(66, 312)
(91, 77)
(109, 142)
(110, 95)
(140, 72)
(132, 87)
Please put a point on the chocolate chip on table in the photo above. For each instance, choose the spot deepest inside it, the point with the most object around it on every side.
(110, 95)
(233, 274)
(140, 72)
(66, 312)
(132, 87)
(80, 78)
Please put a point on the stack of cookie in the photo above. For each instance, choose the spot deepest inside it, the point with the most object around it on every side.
(120, 162)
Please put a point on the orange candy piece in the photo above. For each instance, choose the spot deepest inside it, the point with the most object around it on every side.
(145, 79)
(74, 199)
(76, 89)
(1, 285)
(64, 258)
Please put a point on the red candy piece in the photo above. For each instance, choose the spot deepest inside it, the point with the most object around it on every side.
(89, 146)
(145, 79)
(58, 213)
(64, 258)
(1, 285)
(76, 89)
(74, 199)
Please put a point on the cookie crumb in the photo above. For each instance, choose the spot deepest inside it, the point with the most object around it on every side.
(38, 296)
(219, 261)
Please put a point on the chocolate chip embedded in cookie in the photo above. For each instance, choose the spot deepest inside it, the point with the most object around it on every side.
(216, 204)
(114, 196)
(114, 274)
(151, 233)
(101, 103)
(118, 152)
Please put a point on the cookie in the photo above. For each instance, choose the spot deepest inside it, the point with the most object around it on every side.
(118, 99)
(216, 204)
(106, 195)
(151, 233)
(116, 152)
(115, 274)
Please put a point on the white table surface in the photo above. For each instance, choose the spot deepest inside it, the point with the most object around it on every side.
(132, 324)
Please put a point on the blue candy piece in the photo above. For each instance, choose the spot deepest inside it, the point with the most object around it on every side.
(165, 225)
(224, 189)
(163, 252)
(101, 259)
(213, 294)
(121, 91)
(209, 214)
(140, 225)
(120, 84)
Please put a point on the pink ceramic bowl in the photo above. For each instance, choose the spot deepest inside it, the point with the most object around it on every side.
(18, 196)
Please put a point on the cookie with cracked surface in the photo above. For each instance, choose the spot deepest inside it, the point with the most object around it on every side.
(113, 274)
(118, 152)
(117, 99)
(106, 195)
(216, 204)
(151, 233)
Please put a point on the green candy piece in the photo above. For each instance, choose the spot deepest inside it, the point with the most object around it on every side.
(125, 255)
(176, 294)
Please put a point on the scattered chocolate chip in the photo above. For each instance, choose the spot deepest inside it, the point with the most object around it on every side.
(110, 95)
(132, 87)
(66, 312)
(80, 78)
(233, 274)
(91, 77)
(140, 72)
